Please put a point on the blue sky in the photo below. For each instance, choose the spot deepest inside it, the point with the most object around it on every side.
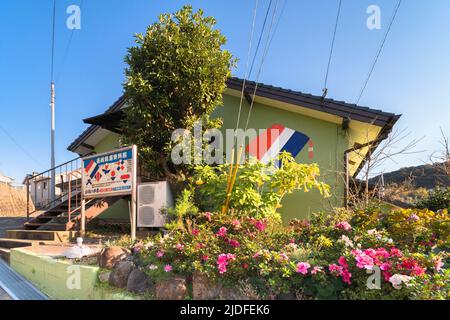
(411, 78)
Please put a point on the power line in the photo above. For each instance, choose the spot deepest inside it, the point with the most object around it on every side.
(19, 146)
(66, 51)
(266, 50)
(260, 37)
(246, 75)
(325, 89)
(378, 52)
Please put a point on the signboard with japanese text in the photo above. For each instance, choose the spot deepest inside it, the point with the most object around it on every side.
(108, 174)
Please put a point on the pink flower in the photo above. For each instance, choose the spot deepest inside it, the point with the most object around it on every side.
(413, 217)
(260, 225)
(256, 255)
(396, 252)
(195, 232)
(316, 270)
(343, 225)
(385, 266)
(236, 224)
(179, 246)
(284, 257)
(167, 268)
(418, 271)
(346, 276)
(335, 268)
(363, 259)
(222, 261)
(205, 257)
(343, 262)
(438, 264)
(302, 267)
(234, 243)
(198, 246)
(208, 216)
(222, 232)
(382, 253)
(160, 253)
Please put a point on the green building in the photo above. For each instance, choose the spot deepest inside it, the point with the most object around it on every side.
(343, 136)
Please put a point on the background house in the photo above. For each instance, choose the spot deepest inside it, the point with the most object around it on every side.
(6, 180)
(335, 127)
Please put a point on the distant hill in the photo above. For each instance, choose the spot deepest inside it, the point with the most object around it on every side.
(426, 176)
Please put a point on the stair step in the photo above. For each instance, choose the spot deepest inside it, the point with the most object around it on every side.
(46, 226)
(42, 235)
(5, 254)
(8, 243)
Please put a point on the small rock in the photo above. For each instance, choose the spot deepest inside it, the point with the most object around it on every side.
(203, 288)
(103, 276)
(138, 282)
(120, 273)
(108, 257)
(172, 289)
(231, 294)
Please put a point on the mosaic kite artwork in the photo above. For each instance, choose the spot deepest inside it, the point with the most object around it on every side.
(276, 139)
(108, 174)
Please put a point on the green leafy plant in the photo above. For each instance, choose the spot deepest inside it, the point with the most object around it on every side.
(437, 199)
(259, 188)
(175, 77)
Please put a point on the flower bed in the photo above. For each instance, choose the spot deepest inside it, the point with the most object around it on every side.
(245, 252)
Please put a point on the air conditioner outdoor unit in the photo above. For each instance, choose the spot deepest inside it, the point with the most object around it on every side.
(152, 197)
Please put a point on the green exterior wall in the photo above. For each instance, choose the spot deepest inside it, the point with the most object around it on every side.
(329, 145)
(330, 142)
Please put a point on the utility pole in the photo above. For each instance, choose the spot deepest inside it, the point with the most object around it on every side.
(52, 106)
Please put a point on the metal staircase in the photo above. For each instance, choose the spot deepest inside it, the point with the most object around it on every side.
(63, 212)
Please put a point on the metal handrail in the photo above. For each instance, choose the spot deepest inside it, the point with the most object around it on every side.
(53, 169)
(67, 171)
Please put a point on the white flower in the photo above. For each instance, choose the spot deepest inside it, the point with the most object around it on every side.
(346, 240)
(153, 267)
(398, 279)
(149, 245)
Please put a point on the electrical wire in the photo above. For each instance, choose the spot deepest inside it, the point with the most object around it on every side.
(246, 75)
(18, 145)
(260, 37)
(378, 52)
(266, 50)
(66, 51)
(325, 90)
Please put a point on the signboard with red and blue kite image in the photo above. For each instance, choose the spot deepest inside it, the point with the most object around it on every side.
(108, 174)
(276, 139)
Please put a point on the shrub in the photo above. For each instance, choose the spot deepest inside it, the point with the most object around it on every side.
(259, 188)
(437, 199)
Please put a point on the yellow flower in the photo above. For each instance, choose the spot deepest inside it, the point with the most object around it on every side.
(324, 241)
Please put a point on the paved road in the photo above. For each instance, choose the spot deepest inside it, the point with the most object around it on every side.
(4, 295)
(10, 223)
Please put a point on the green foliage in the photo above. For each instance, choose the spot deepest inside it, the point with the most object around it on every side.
(175, 76)
(184, 209)
(258, 188)
(438, 199)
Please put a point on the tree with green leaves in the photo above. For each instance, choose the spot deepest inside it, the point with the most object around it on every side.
(175, 77)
